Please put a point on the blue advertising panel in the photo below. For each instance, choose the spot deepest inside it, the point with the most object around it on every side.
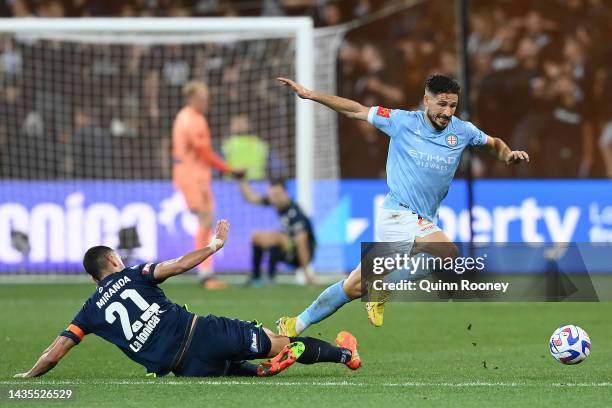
(504, 211)
(62, 219)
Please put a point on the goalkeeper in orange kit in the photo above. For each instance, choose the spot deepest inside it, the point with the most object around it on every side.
(193, 158)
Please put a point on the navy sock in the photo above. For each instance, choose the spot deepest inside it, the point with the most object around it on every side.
(276, 254)
(319, 351)
(257, 255)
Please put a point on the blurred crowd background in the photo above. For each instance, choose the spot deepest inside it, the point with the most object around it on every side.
(541, 74)
(76, 109)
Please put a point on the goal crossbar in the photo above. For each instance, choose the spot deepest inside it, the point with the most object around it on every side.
(300, 27)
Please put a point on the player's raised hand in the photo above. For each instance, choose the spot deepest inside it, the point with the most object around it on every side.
(516, 156)
(221, 233)
(297, 88)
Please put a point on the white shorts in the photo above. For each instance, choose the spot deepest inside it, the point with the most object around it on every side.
(401, 226)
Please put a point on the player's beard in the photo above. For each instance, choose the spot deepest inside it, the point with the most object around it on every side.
(432, 120)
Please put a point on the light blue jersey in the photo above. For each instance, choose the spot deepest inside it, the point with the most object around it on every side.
(422, 161)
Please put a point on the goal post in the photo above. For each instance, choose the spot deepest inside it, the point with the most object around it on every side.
(301, 28)
(86, 112)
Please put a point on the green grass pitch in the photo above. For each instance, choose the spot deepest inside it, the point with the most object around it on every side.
(423, 356)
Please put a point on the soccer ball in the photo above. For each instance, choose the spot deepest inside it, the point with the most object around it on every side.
(570, 344)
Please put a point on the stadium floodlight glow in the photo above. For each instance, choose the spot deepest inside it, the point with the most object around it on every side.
(221, 29)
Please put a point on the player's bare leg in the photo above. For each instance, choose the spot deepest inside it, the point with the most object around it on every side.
(278, 342)
(330, 300)
(436, 244)
(333, 298)
(267, 239)
(375, 306)
(262, 241)
(352, 284)
(278, 241)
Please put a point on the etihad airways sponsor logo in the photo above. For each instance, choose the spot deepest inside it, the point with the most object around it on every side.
(428, 157)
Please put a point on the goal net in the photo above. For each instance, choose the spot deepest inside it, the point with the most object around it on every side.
(86, 112)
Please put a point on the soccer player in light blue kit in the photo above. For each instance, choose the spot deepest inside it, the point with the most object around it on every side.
(424, 153)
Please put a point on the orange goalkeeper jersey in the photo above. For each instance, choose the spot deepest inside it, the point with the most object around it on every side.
(192, 151)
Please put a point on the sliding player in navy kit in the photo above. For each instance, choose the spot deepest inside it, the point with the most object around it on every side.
(129, 310)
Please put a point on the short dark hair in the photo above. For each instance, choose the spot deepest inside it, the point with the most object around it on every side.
(94, 260)
(438, 84)
(278, 182)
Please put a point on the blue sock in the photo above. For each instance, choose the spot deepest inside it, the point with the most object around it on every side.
(330, 300)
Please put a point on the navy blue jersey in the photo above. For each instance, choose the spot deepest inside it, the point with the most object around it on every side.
(129, 310)
(294, 221)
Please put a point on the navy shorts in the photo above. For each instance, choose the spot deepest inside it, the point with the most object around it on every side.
(219, 341)
(290, 255)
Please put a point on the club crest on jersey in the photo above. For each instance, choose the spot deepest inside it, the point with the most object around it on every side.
(384, 112)
(146, 269)
(451, 140)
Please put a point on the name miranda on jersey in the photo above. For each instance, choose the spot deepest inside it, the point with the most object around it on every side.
(112, 290)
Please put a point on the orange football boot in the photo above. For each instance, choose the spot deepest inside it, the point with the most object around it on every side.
(346, 340)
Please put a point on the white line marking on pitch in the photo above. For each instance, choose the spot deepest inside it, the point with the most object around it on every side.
(303, 383)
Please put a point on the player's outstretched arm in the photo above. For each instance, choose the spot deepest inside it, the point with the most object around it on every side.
(50, 357)
(248, 193)
(500, 150)
(347, 107)
(174, 267)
